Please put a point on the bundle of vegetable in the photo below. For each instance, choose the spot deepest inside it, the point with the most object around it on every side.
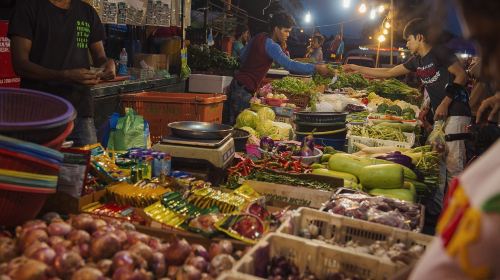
(378, 132)
(407, 113)
(88, 248)
(203, 58)
(281, 178)
(325, 80)
(294, 86)
(349, 80)
(382, 210)
(391, 86)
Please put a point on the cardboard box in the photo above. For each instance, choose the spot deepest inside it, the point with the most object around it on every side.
(157, 61)
(209, 83)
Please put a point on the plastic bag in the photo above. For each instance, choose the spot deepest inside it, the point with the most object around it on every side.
(131, 131)
(437, 138)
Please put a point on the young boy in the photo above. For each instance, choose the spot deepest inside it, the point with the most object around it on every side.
(315, 51)
(443, 77)
(256, 59)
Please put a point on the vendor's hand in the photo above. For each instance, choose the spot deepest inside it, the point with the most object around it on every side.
(351, 67)
(322, 69)
(491, 103)
(442, 110)
(109, 72)
(81, 76)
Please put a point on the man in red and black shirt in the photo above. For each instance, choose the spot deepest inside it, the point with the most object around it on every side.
(257, 57)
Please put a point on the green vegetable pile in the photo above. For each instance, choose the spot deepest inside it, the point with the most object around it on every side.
(203, 58)
(294, 86)
(378, 132)
(346, 80)
(407, 113)
(269, 177)
(320, 80)
(389, 87)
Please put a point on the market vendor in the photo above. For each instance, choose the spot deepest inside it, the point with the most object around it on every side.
(257, 57)
(444, 78)
(241, 36)
(50, 42)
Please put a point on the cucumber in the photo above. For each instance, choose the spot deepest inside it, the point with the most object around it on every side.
(317, 166)
(336, 174)
(382, 176)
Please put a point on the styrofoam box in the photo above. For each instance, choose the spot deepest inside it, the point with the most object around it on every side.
(209, 83)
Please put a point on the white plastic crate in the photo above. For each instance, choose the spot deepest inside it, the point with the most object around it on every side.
(209, 83)
(372, 142)
(343, 229)
(320, 260)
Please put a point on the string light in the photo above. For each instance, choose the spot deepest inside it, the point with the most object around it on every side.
(373, 14)
(362, 8)
(381, 38)
(387, 25)
(385, 31)
(346, 3)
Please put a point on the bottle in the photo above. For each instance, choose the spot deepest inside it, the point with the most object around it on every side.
(133, 168)
(146, 171)
(140, 168)
(122, 65)
(157, 157)
(166, 167)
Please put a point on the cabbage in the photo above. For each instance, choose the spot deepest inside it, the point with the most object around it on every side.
(285, 131)
(249, 130)
(266, 113)
(266, 128)
(246, 118)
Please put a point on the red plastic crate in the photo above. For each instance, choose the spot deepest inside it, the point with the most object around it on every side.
(160, 108)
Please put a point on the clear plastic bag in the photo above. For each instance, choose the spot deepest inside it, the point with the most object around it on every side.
(437, 138)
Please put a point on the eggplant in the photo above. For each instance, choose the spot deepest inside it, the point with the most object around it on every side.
(307, 147)
(266, 143)
(397, 157)
(281, 148)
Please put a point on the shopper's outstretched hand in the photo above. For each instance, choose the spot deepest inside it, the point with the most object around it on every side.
(322, 69)
(491, 103)
(81, 76)
(350, 67)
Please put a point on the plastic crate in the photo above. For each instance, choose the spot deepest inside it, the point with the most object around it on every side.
(284, 111)
(160, 109)
(306, 254)
(372, 142)
(283, 119)
(343, 229)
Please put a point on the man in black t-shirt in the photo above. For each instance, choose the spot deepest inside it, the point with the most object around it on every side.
(50, 42)
(443, 77)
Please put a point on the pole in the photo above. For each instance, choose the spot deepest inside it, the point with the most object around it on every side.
(391, 11)
(378, 52)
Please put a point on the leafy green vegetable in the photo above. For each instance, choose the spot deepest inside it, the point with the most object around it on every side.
(378, 132)
(294, 86)
(247, 118)
(203, 58)
(345, 80)
(382, 108)
(390, 87)
(396, 109)
(266, 113)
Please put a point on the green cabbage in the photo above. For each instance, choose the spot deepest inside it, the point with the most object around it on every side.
(249, 130)
(266, 128)
(266, 113)
(247, 118)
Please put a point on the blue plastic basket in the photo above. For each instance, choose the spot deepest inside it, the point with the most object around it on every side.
(337, 144)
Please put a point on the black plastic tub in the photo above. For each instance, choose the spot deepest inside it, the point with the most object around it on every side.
(320, 117)
(240, 137)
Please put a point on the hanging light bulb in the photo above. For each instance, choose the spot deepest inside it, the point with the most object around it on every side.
(385, 31)
(346, 3)
(307, 17)
(381, 38)
(381, 8)
(387, 25)
(362, 8)
(373, 14)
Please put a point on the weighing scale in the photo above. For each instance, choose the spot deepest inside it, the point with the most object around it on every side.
(219, 153)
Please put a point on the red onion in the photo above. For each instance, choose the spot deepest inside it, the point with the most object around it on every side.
(59, 229)
(67, 264)
(24, 268)
(83, 222)
(33, 236)
(172, 271)
(122, 236)
(104, 247)
(4, 233)
(135, 237)
(199, 262)
(105, 266)
(88, 273)
(8, 249)
(122, 273)
(188, 272)
(140, 275)
(142, 250)
(45, 255)
(157, 265)
(177, 252)
(127, 226)
(226, 246)
(199, 250)
(82, 249)
(51, 216)
(53, 240)
(154, 243)
(79, 236)
(30, 250)
(60, 248)
(206, 276)
(98, 223)
(214, 250)
(123, 259)
(220, 263)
